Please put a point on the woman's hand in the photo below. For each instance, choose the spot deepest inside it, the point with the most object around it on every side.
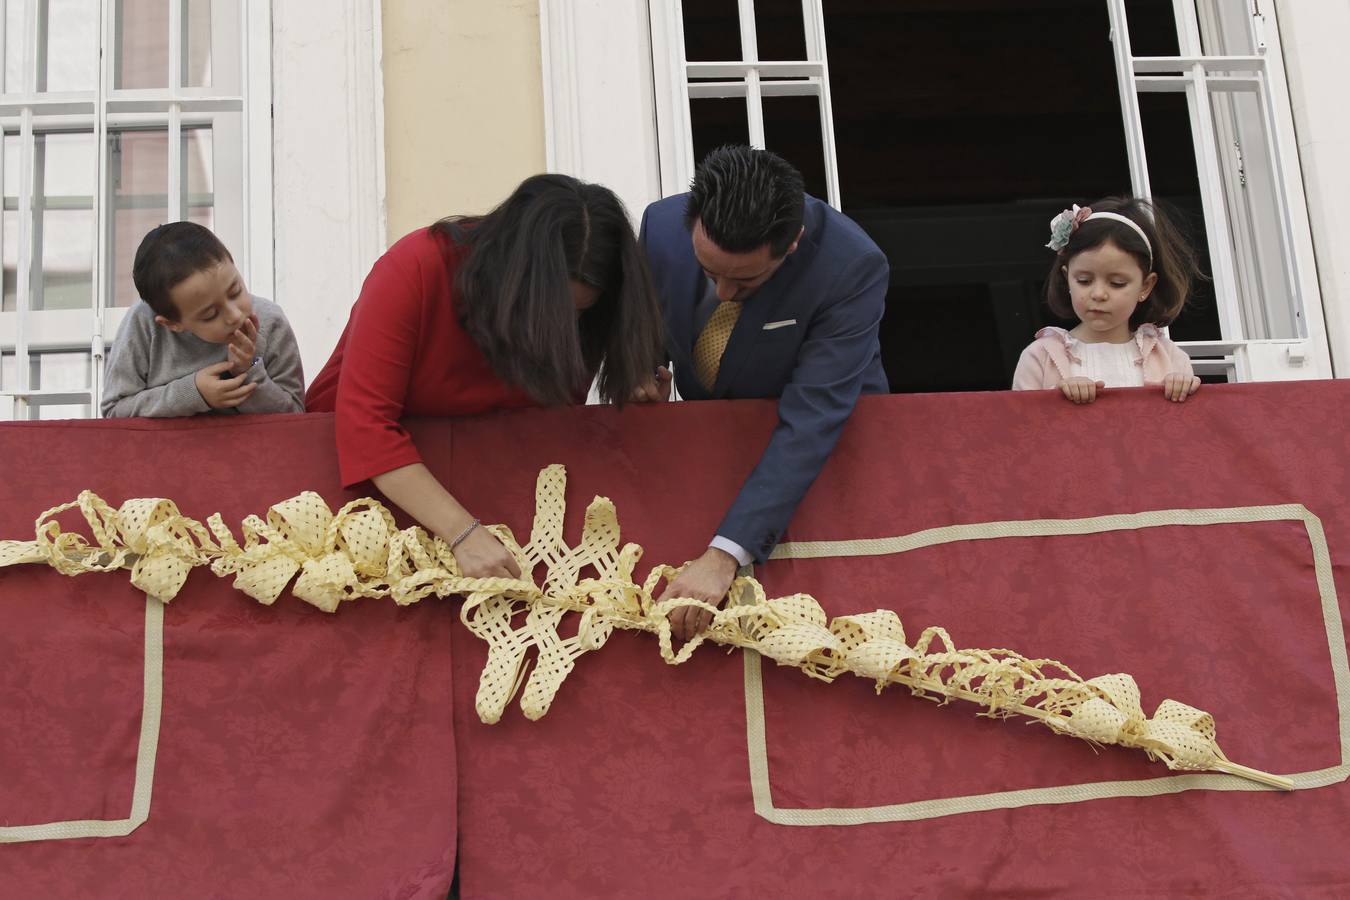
(1177, 386)
(655, 390)
(1080, 389)
(481, 555)
(420, 495)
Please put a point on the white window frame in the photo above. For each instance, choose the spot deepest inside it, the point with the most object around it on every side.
(1235, 355)
(578, 89)
(748, 77)
(247, 229)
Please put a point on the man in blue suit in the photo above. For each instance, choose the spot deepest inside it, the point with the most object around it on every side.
(766, 292)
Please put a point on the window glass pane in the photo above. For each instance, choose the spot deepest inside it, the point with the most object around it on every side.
(199, 176)
(1225, 27)
(792, 130)
(10, 224)
(1166, 125)
(138, 178)
(955, 128)
(13, 46)
(1269, 308)
(59, 370)
(7, 383)
(780, 29)
(71, 51)
(712, 30)
(1153, 30)
(717, 121)
(142, 52)
(64, 207)
(197, 44)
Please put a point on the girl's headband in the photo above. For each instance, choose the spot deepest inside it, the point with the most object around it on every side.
(1066, 223)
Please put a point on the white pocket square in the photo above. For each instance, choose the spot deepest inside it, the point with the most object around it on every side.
(770, 326)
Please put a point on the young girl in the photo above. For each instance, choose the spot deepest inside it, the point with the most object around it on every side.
(1124, 272)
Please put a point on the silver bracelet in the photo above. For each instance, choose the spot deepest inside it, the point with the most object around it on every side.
(465, 533)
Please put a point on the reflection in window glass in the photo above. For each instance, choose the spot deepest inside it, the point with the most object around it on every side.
(71, 54)
(7, 383)
(197, 44)
(198, 177)
(62, 370)
(138, 178)
(142, 57)
(64, 208)
(1269, 307)
(59, 370)
(13, 46)
(10, 224)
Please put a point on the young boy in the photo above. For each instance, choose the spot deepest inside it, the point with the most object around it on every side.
(198, 341)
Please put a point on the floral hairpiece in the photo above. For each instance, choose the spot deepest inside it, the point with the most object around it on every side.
(1065, 224)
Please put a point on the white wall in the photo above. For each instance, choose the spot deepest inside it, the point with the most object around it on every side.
(1314, 35)
(328, 163)
(599, 113)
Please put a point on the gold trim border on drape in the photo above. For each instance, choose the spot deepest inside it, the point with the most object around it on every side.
(152, 698)
(757, 740)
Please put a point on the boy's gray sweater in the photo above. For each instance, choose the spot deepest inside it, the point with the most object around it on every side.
(152, 371)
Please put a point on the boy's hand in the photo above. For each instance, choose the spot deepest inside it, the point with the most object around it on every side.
(220, 392)
(243, 346)
(1177, 387)
(1080, 389)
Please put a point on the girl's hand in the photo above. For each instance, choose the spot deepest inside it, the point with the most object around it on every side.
(1080, 389)
(481, 555)
(1177, 387)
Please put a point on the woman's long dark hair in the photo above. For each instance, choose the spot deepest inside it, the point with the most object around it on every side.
(515, 291)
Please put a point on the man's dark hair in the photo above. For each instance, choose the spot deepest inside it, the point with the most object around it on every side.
(515, 294)
(747, 198)
(169, 255)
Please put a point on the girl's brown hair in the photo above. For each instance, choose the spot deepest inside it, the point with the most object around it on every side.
(1172, 258)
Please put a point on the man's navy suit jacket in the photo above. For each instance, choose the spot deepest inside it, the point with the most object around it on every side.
(807, 336)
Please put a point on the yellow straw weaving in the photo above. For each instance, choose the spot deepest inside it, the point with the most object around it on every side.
(358, 552)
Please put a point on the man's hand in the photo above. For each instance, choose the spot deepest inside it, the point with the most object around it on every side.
(481, 555)
(655, 389)
(1080, 389)
(243, 346)
(707, 578)
(220, 392)
(1177, 387)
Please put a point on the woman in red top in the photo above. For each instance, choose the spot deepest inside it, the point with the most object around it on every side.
(515, 308)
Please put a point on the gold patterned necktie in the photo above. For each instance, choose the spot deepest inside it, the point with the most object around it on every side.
(712, 341)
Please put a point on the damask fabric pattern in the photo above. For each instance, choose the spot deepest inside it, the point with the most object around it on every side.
(308, 754)
(359, 552)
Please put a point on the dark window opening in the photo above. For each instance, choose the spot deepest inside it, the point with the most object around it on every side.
(961, 129)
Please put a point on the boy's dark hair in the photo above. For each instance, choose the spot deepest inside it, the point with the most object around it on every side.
(515, 296)
(169, 255)
(1173, 258)
(747, 198)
